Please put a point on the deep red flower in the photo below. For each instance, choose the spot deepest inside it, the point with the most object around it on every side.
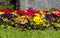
(3, 10)
(20, 12)
(32, 10)
(46, 11)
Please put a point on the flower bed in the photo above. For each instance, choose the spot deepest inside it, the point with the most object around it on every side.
(30, 19)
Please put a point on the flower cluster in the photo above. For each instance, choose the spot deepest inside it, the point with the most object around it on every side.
(29, 19)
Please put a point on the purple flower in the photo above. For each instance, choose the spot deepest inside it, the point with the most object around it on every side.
(48, 16)
(51, 17)
(1, 20)
(8, 15)
(5, 15)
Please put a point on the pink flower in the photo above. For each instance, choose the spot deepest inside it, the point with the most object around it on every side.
(23, 21)
(31, 12)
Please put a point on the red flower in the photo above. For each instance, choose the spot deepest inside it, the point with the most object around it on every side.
(46, 11)
(58, 13)
(8, 12)
(20, 12)
(26, 13)
(31, 12)
(2, 10)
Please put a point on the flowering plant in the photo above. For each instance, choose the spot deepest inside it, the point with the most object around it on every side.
(29, 19)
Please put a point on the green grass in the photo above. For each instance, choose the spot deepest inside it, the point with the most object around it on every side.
(28, 34)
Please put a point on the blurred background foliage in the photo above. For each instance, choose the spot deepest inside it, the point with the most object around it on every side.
(6, 5)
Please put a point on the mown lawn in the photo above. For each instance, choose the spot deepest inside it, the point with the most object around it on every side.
(28, 34)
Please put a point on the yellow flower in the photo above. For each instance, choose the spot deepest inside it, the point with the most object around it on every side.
(1, 12)
(38, 20)
(14, 12)
(55, 12)
(23, 16)
(37, 14)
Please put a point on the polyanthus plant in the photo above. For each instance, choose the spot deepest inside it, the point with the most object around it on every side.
(38, 19)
